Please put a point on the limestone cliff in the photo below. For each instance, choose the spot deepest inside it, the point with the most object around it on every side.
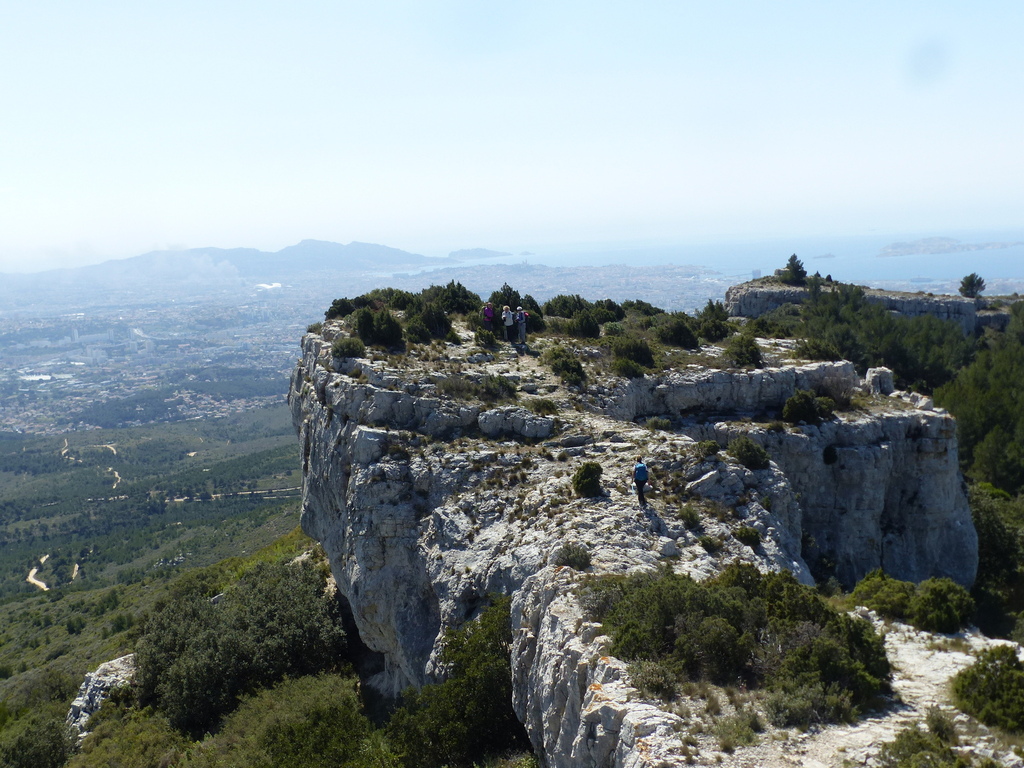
(755, 298)
(425, 503)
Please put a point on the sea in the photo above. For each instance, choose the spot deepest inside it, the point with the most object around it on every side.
(996, 255)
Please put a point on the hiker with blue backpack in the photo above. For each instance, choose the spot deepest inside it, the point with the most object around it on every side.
(641, 477)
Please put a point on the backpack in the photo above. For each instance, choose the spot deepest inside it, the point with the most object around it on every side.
(640, 472)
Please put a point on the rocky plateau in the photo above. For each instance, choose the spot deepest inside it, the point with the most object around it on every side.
(427, 502)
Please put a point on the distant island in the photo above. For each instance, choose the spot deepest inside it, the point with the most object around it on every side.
(929, 245)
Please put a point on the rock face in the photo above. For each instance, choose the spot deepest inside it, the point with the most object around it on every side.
(426, 504)
(754, 299)
(95, 689)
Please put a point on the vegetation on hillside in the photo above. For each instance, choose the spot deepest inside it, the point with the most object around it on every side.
(763, 630)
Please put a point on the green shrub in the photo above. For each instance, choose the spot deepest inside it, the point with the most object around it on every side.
(742, 349)
(805, 406)
(762, 629)
(574, 555)
(469, 716)
(913, 748)
(542, 406)
(583, 326)
(802, 705)
(494, 388)
(563, 363)
(941, 725)
(485, 338)
(308, 721)
(629, 369)
(738, 730)
(747, 535)
(641, 307)
(195, 659)
(387, 331)
(705, 449)
(586, 481)
(940, 605)
(888, 596)
(347, 346)
(314, 327)
(416, 331)
(37, 740)
(992, 689)
(689, 516)
(794, 272)
(565, 306)
(614, 329)
(339, 308)
(710, 543)
(658, 422)
(678, 332)
(654, 679)
(748, 453)
(634, 349)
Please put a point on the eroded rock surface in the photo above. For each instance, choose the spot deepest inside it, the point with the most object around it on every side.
(425, 504)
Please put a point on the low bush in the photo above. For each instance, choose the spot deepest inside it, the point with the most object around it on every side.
(542, 406)
(314, 327)
(802, 705)
(494, 388)
(747, 535)
(641, 307)
(628, 369)
(586, 481)
(469, 716)
(632, 348)
(195, 659)
(742, 349)
(748, 453)
(881, 593)
(940, 605)
(762, 629)
(339, 308)
(805, 406)
(992, 689)
(566, 306)
(914, 748)
(705, 449)
(689, 516)
(347, 346)
(307, 721)
(573, 555)
(658, 422)
(654, 679)
(738, 730)
(934, 605)
(565, 365)
(678, 331)
(583, 326)
(485, 338)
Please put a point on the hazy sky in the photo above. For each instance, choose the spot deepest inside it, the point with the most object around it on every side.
(128, 126)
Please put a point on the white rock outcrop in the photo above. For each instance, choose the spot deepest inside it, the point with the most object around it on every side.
(95, 689)
(425, 505)
(753, 299)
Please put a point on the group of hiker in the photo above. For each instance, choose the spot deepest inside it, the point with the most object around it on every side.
(513, 324)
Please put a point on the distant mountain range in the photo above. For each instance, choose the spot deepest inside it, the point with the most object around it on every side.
(204, 270)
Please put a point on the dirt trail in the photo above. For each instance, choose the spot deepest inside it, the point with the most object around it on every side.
(31, 578)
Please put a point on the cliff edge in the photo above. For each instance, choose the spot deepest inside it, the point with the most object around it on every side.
(427, 499)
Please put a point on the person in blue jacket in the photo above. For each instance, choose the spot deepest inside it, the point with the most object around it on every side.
(641, 477)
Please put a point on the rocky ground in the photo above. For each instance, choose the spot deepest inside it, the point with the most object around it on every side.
(422, 519)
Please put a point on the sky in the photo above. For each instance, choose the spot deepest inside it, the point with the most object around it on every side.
(434, 126)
